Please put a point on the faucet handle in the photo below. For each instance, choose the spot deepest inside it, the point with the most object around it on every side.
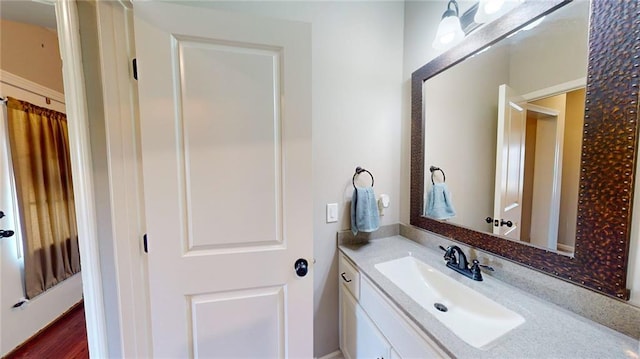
(476, 273)
(476, 263)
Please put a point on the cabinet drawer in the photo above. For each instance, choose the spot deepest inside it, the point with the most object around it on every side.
(348, 275)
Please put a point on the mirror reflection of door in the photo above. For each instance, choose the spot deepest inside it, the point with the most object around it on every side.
(534, 190)
(510, 155)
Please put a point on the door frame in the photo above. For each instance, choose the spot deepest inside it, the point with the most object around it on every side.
(80, 150)
(553, 216)
(134, 335)
(556, 90)
(565, 87)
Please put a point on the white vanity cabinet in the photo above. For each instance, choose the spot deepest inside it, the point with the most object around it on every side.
(373, 327)
(359, 336)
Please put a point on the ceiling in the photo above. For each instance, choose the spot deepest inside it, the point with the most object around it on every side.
(39, 13)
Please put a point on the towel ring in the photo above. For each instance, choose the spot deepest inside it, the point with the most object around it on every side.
(359, 170)
(433, 169)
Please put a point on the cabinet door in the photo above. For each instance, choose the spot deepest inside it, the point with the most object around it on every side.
(360, 338)
(398, 330)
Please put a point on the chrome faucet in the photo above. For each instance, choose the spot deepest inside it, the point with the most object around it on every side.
(457, 260)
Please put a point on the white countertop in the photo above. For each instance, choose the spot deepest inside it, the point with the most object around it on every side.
(549, 331)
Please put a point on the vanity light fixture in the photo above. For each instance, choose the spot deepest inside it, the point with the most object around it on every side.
(488, 10)
(454, 27)
(449, 31)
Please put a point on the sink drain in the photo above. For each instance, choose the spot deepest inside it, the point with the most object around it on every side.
(441, 307)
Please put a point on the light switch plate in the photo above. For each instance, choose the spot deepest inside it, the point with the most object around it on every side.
(332, 212)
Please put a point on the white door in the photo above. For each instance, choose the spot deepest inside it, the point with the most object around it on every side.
(509, 164)
(225, 108)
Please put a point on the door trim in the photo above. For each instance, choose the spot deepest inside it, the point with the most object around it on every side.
(76, 104)
(556, 90)
(119, 101)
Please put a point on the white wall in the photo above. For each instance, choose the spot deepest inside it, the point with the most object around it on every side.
(357, 69)
(421, 19)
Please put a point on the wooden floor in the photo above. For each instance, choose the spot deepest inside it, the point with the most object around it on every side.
(64, 339)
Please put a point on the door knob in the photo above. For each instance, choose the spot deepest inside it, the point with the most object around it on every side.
(507, 223)
(302, 267)
(6, 234)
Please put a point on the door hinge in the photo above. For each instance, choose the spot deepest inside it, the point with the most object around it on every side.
(135, 68)
(144, 243)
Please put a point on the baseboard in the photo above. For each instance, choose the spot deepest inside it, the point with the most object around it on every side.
(336, 354)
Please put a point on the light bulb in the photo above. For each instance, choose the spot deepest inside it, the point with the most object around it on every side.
(449, 33)
(492, 6)
(489, 10)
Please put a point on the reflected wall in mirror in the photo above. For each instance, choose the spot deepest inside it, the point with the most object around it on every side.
(468, 142)
(518, 168)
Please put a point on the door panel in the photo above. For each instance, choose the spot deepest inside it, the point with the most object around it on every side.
(226, 146)
(259, 314)
(239, 99)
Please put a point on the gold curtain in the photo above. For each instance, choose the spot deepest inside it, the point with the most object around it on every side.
(39, 145)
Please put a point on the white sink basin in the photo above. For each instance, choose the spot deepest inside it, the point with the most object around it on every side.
(473, 317)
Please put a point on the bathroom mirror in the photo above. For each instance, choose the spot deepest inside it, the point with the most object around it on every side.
(608, 150)
(533, 192)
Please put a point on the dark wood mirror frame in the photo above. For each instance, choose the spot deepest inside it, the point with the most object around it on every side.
(609, 148)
